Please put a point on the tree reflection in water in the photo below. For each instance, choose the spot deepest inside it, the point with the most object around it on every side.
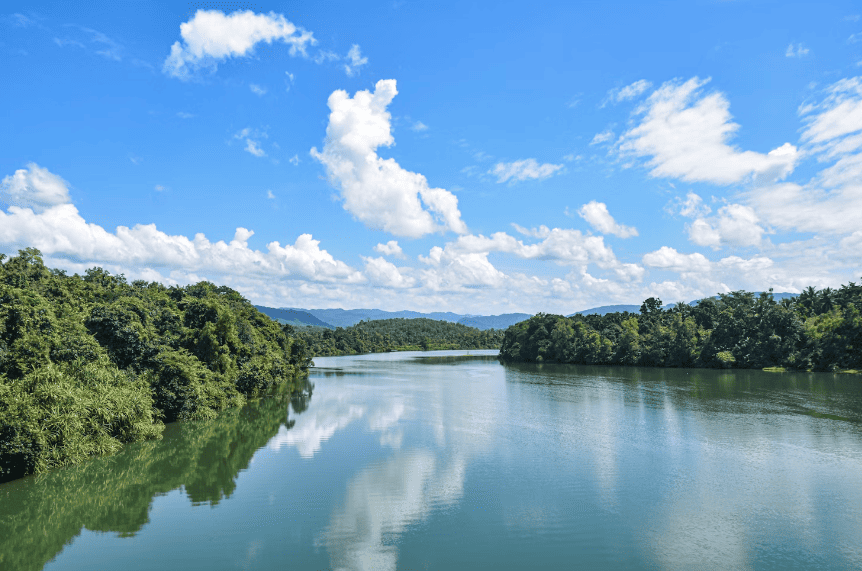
(39, 515)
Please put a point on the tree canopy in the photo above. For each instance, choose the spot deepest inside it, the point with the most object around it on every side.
(398, 334)
(818, 330)
(90, 362)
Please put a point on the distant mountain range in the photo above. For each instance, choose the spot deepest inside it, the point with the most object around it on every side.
(332, 318)
(296, 317)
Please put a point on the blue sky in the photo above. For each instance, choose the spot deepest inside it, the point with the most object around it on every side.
(487, 158)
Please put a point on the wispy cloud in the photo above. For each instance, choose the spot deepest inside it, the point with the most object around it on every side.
(354, 60)
(626, 93)
(257, 89)
(796, 51)
(685, 134)
(524, 169)
(252, 141)
(211, 36)
(602, 137)
(101, 44)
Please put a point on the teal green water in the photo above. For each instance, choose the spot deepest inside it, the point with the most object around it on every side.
(430, 461)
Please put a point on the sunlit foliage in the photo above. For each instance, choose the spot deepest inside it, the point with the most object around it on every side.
(819, 330)
(398, 334)
(90, 362)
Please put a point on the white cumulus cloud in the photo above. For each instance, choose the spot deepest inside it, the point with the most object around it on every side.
(34, 187)
(212, 36)
(377, 191)
(383, 272)
(596, 213)
(735, 224)
(390, 248)
(691, 206)
(57, 229)
(667, 258)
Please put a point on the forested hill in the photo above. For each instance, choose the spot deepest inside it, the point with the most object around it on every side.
(348, 317)
(400, 334)
(88, 363)
(294, 317)
(819, 330)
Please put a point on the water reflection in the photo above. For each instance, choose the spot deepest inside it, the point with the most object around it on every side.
(738, 469)
(382, 501)
(41, 514)
(399, 462)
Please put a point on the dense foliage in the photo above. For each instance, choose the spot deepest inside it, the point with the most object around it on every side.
(88, 363)
(819, 330)
(399, 334)
(38, 518)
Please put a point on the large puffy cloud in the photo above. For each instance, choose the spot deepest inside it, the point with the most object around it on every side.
(684, 134)
(596, 213)
(383, 272)
(667, 258)
(378, 191)
(735, 224)
(390, 248)
(59, 230)
(790, 267)
(212, 36)
(464, 262)
(34, 187)
(560, 245)
(451, 269)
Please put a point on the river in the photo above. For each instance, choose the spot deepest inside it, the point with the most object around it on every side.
(449, 460)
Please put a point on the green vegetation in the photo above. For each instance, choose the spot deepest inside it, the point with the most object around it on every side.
(818, 330)
(398, 334)
(89, 363)
(115, 494)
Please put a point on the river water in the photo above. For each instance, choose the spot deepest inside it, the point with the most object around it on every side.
(449, 460)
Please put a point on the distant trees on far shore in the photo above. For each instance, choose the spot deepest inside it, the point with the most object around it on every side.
(381, 335)
(818, 330)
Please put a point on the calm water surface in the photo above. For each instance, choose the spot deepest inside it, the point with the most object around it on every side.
(434, 461)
